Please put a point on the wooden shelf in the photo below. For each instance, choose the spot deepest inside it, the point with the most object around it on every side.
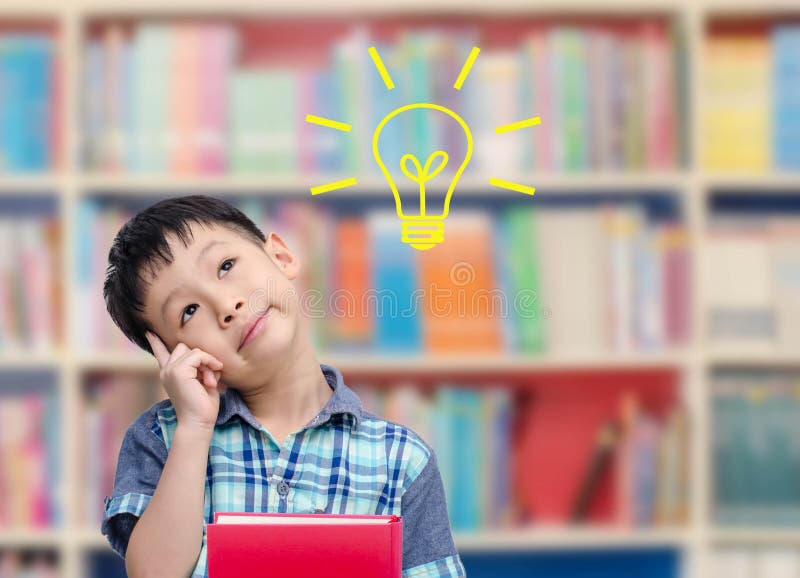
(748, 358)
(786, 183)
(374, 186)
(756, 536)
(12, 538)
(12, 185)
(393, 364)
(569, 538)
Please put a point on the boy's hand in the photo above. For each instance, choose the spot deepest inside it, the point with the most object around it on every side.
(196, 401)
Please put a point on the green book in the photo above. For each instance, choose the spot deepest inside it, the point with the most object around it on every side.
(572, 55)
(151, 96)
(525, 304)
(262, 119)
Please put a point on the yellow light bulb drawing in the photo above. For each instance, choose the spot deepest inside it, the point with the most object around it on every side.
(424, 230)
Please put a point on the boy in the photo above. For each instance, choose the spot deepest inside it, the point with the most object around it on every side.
(253, 423)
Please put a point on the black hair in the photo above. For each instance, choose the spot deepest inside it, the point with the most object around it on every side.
(141, 244)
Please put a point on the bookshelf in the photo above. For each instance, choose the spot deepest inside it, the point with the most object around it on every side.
(690, 183)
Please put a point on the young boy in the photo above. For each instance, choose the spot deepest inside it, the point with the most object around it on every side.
(253, 423)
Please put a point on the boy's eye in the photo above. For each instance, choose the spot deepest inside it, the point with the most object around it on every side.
(221, 268)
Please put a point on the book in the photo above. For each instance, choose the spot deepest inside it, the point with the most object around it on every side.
(304, 545)
(739, 289)
(601, 456)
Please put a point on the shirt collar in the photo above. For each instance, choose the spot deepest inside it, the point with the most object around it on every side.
(343, 401)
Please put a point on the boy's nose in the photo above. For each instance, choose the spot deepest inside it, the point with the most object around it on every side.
(239, 305)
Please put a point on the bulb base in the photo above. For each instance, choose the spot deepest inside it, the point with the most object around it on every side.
(422, 234)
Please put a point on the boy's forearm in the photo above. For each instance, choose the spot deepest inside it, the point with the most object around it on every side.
(167, 539)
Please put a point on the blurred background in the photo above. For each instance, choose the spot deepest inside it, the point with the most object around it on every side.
(608, 370)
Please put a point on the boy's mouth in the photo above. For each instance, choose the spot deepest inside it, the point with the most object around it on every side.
(252, 328)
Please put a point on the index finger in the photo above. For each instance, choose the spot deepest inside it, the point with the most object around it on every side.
(159, 349)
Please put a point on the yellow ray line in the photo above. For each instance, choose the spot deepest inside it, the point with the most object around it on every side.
(518, 125)
(333, 186)
(376, 58)
(328, 122)
(513, 186)
(466, 68)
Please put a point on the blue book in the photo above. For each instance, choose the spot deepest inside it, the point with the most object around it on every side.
(393, 136)
(87, 212)
(328, 145)
(500, 456)
(442, 441)
(92, 106)
(467, 458)
(786, 96)
(38, 56)
(13, 109)
(53, 451)
(395, 280)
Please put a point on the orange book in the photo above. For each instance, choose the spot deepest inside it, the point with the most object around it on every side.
(461, 303)
(350, 318)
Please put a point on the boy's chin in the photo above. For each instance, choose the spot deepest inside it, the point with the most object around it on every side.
(272, 344)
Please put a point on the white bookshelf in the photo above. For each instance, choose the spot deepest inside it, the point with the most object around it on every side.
(691, 185)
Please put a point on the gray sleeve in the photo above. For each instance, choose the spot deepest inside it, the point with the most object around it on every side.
(141, 460)
(427, 535)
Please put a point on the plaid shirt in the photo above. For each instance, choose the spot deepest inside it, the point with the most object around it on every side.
(344, 461)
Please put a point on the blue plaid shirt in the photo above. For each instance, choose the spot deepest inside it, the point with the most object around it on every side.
(344, 461)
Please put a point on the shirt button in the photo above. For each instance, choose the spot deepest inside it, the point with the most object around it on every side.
(283, 488)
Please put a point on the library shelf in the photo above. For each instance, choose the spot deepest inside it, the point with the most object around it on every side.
(299, 185)
(751, 358)
(30, 183)
(95, 8)
(778, 182)
(533, 538)
(515, 538)
(752, 536)
(31, 360)
(445, 364)
(693, 185)
(19, 538)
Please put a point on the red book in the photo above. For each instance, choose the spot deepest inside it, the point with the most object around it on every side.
(304, 545)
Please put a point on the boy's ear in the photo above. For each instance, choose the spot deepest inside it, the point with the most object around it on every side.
(280, 254)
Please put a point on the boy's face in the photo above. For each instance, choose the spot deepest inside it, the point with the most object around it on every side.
(213, 288)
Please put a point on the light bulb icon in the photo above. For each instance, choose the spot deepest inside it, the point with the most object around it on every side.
(422, 229)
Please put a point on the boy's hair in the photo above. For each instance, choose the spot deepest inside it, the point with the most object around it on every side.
(142, 244)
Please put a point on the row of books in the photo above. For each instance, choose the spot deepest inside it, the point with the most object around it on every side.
(756, 453)
(752, 273)
(751, 99)
(498, 283)
(652, 466)
(111, 404)
(615, 280)
(29, 477)
(28, 564)
(760, 562)
(30, 300)
(176, 97)
(607, 451)
(28, 99)
(471, 432)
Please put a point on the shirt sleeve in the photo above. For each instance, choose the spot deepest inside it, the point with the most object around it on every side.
(141, 460)
(428, 547)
